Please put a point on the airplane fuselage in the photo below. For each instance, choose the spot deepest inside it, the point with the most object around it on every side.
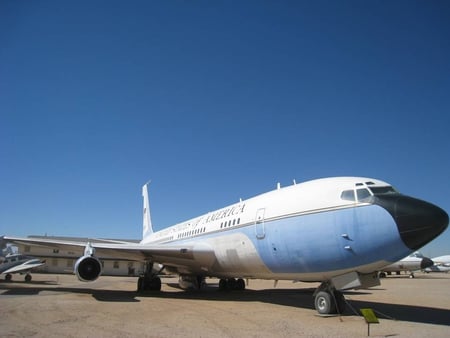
(310, 231)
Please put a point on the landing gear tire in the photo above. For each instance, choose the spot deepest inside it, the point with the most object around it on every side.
(324, 303)
(28, 278)
(240, 284)
(140, 284)
(223, 285)
(8, 277)
(231, 284)
(329, 302)
(149, 284)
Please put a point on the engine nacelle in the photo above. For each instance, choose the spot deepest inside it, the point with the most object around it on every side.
(88, 268)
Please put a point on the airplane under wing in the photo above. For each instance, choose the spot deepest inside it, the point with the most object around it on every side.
(198, 256)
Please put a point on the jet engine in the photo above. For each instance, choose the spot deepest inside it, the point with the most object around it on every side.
(88, 268)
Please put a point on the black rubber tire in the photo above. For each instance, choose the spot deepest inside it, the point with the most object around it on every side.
(240, 284)
(155, 284)
(223, 285)
(324, 303)
(140, 284)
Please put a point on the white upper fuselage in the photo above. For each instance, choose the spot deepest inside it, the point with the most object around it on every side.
(303, 198)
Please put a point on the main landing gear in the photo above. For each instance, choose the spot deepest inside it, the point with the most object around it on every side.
(8, 277)
(328, 300)
(231, 284)
(150, 280)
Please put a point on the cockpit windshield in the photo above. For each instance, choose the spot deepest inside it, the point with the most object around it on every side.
(383, 190)
(363, 194)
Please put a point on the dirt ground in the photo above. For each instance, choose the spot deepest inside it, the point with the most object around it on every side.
(60, 305)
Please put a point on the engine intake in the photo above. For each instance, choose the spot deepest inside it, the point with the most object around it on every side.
(88, 268)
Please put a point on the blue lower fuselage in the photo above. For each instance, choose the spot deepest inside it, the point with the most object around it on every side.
(329, 241)
(309, 246)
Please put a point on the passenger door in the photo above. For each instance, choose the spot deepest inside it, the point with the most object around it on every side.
(259, 224)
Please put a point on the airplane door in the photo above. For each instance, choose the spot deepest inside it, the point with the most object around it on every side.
(259, 224)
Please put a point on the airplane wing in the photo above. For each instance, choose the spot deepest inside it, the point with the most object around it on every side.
(22, 268)
(195, 255)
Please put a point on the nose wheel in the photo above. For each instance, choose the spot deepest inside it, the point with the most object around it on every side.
(329, 301)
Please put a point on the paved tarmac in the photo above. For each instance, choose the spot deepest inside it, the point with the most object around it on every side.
(60, 305)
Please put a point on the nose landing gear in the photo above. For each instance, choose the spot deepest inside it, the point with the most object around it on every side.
(328, 300)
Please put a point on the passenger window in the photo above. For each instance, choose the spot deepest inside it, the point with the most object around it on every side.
(362, 194)
(348, 195)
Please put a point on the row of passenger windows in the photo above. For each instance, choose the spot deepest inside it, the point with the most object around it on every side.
(191, 233)
(230, 223)
(223, 225)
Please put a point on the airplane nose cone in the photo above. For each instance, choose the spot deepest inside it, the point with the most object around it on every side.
(426, 263)
(418, 221)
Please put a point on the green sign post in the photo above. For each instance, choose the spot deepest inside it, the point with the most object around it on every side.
(370, 318)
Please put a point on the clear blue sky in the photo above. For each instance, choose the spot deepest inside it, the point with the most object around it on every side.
(213, 101)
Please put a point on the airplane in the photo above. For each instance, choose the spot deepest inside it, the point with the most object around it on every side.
(338, 231)
(412, 263)
(17, 263)
(441, 264)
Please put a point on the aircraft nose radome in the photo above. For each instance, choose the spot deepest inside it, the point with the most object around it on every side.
(426, 263)
(418, 221)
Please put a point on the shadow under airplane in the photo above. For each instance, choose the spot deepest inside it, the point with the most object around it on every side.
(298, 298)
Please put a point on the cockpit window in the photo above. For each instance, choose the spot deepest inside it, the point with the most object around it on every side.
(362, 194)
(348, 195)
(383, 190)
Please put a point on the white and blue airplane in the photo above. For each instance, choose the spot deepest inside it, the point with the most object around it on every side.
(338, 231)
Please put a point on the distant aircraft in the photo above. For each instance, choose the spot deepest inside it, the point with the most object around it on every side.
(441, 264)
(16, 263)
(339, 231)
(412, 263)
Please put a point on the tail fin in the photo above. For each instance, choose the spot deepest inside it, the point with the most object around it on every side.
(147, 228)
